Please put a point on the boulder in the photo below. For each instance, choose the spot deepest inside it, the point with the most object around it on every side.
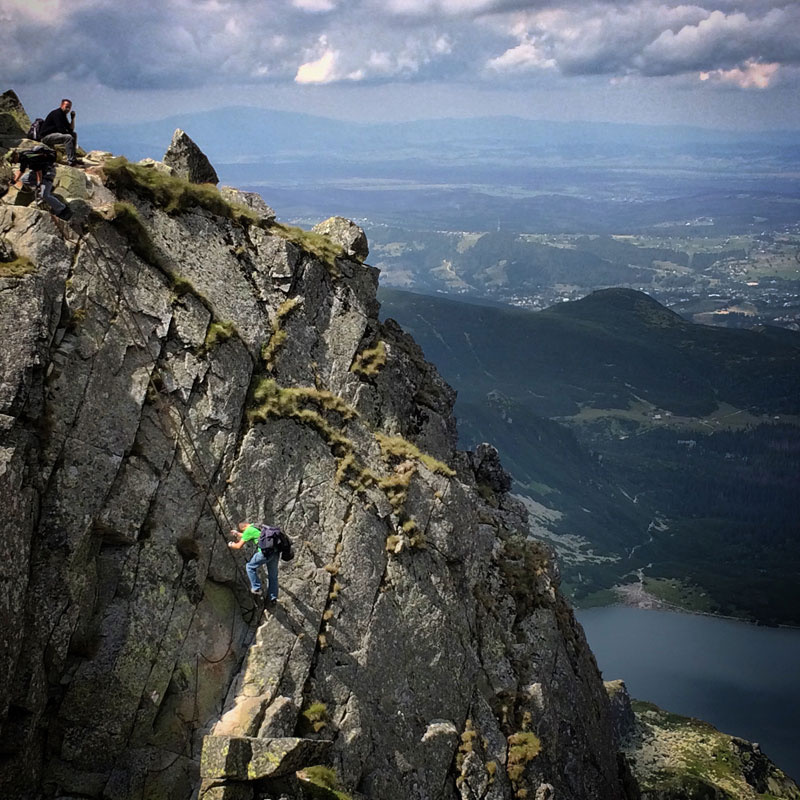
(242, 758)
(158, 166)
(347, 234)
(252, 200)
(188, 160)
(95, 157)
(72, 182)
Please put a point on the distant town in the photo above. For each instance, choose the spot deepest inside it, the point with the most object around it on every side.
(735, 281)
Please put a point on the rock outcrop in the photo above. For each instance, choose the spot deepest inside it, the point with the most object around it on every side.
(174, 362)
(188, 160)
(14, 120)
(347, 234)
(673, 757)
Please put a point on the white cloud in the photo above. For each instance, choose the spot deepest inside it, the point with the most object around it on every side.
(527, 55)
(314, 6)
(193, 43)
(443, 46)
(49, 12)
(649, 39)
(321, 70)
(753, 76)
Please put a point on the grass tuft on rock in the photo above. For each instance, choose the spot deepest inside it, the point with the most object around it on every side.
(16, 268)
(350, 471)
(371, 361)
(277, 401)
(315, 716)
(217, 333)
(467, 744)
(396, 447)
(322, 782)
(315, 244)
(173, 194)
(177, 195)
(269, 351)
(272, 400)
(523, 747)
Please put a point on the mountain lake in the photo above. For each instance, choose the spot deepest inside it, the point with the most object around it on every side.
(743, 679)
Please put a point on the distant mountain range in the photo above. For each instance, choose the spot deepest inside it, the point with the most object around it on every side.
(246, 134)
(473, 174)
(668, 447)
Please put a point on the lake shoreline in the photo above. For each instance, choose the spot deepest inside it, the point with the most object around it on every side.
(738, 676)
(634, 595)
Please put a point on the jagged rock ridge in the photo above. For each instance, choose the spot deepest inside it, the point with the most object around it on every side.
(174, 361)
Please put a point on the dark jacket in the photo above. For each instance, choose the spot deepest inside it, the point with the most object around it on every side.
(56, 121)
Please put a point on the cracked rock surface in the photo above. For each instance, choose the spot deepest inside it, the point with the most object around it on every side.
(167, 373)
(169, 370)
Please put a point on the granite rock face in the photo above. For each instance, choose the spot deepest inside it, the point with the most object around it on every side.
(174, 363)
(188, 160)
(165, 374)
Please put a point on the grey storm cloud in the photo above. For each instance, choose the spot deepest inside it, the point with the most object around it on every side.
(195, 43)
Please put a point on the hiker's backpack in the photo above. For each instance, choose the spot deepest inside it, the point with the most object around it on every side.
(273, 538)
(35, 130)
(40, 157)
(287, 550)
(270, 539)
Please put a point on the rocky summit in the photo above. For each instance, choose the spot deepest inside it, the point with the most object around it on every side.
(174, 361)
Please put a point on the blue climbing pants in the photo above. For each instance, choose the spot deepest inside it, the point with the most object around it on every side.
(271, 561)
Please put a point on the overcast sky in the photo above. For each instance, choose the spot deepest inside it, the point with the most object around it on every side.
(716, 63)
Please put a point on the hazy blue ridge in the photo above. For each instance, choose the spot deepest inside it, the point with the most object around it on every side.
(241, 131)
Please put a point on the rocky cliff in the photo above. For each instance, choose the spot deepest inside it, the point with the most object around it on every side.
(174, 361)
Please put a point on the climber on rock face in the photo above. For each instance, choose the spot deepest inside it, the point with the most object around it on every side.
(267, 553)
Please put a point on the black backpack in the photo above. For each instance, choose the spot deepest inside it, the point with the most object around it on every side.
(273, 538)
(40, 157)
(287, 551)
(35, 130)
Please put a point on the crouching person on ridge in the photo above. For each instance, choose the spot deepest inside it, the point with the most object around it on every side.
(267, 541)
(37, 171)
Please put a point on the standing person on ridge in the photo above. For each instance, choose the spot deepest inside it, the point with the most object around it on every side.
(59, 128)
(248, 532)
